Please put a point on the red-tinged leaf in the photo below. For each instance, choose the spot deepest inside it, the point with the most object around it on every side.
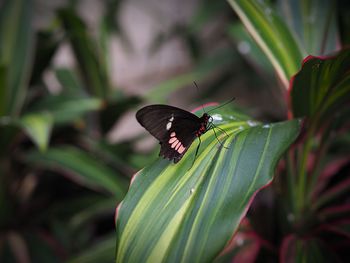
(243, 247)
(341, 227)
(321, 88)
(332, 194)
(334, 213)
(296, 249)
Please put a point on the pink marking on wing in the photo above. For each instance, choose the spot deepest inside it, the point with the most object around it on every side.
(175, 143)
(173, 139)
(172, 134)
(181, 149)
(178, 146)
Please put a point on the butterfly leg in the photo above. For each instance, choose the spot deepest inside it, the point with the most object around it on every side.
(213, 128)
(222, 130)
(195, 155)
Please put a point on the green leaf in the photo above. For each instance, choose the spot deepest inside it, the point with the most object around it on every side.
(219, 60)
(47, 43)
(179, 213)
(322, 87)
(314, 22)
(248, 48)
(68, 80)
(82, 166)
(272, 35)
(114, 110)
(65, 109)
(91, 62)
(103, 251)
(38, 127)
(16, 48)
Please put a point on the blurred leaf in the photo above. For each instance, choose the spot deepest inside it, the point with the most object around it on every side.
(65, 109)
(91, 62)
(87, 170)
(41, 250)
(38, 127)
(46, 46)
(175, 214)
(341, 227)
(296, 249)
(109, 25)
(102, 251)
(343, 11)
(333, 194)
(272, 35)
(249, 48)
(314, 22)
(3, 90)
(117, 155)
(321, 88)
(68, 80)
(114, 110)
(243, 247)
(16, 48)
(335, 212)
(206, 12)
(204, 68)
(93, 210)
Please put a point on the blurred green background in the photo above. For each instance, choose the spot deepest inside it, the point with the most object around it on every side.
(72, 76)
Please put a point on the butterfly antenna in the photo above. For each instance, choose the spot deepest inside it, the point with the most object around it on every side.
(195, 83)
(223, 104)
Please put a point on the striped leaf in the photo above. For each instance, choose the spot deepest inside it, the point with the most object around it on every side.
(272, 35)
(179, 213)
(314, 22)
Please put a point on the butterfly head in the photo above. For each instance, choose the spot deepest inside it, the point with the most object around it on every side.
(205, 120)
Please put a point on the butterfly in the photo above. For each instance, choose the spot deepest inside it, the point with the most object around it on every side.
(175, 128)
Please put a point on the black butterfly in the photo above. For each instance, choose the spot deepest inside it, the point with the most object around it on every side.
(175, 128)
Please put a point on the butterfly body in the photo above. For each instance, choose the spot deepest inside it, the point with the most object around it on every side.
(175, 128)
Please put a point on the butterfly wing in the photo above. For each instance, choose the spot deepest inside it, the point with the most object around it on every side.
(173, 127)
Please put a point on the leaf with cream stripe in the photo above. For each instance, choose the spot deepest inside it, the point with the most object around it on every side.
(176, 214)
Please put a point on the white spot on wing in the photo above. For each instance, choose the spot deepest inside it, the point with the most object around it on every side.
(168, 125)
(171, 119)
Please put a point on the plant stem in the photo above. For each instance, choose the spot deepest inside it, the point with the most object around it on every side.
(291, 184)
(302, 180)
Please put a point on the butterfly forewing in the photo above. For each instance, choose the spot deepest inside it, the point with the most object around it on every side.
(173, 127)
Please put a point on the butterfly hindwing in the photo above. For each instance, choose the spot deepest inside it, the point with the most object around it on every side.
(178, 141)
(173, 127)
